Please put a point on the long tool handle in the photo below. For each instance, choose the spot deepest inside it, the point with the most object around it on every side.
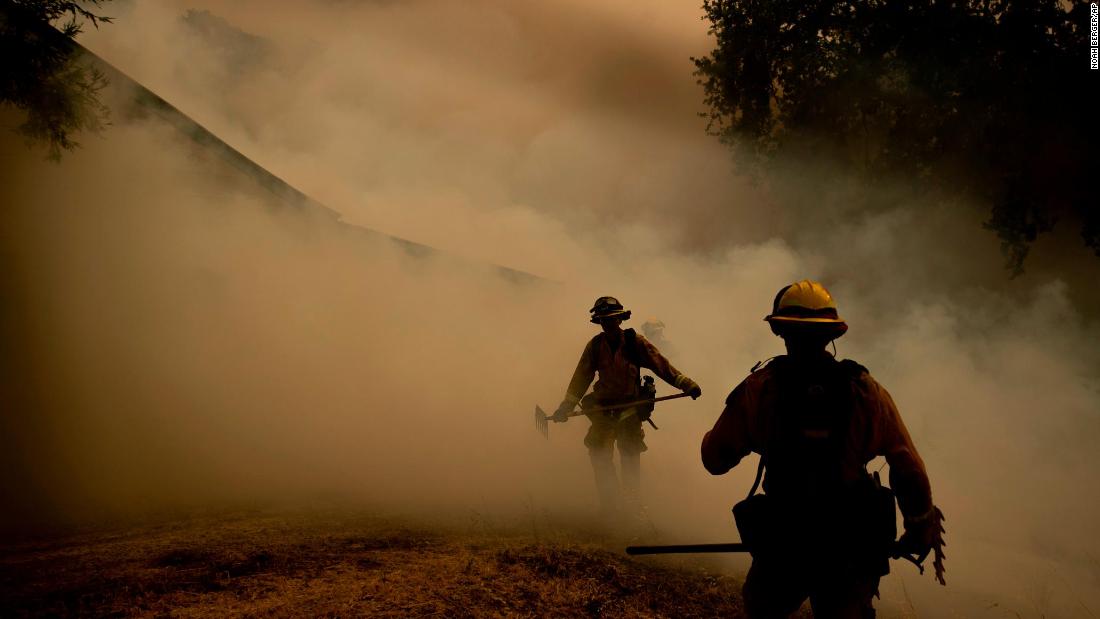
(740, 547)
(686, 548)
(600, 409)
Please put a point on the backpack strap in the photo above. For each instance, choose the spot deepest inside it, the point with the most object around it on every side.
(759, 476)
(853, 369)
(594, 348)
(630, 341)
(764, 363)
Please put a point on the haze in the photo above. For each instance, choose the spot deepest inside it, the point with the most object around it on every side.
(175, 341)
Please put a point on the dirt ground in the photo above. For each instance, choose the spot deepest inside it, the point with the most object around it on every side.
(339, 563)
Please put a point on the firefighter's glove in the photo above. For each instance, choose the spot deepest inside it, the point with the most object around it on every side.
(691, 388)
(922, 534)
(562, 414)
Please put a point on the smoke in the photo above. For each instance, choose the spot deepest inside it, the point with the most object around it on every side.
(177, 341)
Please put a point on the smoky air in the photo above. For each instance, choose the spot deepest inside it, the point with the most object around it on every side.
(176, 337)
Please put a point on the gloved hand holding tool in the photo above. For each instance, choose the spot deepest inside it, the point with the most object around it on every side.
(565, 410)
(922, 536)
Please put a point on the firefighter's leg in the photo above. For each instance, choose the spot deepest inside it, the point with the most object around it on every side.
(772, 589)
(600, 441)
(845, 597)
(631, 464)
(630, 439)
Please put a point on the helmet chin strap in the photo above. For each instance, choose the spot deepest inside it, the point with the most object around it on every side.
(833, 342)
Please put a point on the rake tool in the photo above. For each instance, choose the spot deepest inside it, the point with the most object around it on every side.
(542, 419)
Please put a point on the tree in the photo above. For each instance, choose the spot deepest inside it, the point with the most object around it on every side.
(45, 75)
(983, 100)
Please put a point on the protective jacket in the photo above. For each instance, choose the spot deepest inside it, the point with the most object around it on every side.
(866, 423)
(619, 369)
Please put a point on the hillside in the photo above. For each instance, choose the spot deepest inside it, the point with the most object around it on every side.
(339, 563)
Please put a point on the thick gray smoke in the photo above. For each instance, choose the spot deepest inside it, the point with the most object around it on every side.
(176, 341)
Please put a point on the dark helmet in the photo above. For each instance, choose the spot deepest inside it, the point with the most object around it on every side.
(608, 307)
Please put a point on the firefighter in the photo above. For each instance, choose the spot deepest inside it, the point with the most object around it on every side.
(654, 331)
(617, 356)
(818, 531)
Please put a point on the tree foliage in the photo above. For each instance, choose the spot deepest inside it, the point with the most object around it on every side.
(43, 73)
(985, 100)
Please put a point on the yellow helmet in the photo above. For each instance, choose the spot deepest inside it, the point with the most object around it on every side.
(806, 303)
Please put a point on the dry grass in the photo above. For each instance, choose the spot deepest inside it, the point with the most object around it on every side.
(328, 564)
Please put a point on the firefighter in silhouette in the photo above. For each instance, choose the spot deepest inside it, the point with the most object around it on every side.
(824, 528)
(654, 330)
(617, 356)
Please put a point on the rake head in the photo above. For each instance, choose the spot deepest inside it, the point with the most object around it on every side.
(541, 423)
